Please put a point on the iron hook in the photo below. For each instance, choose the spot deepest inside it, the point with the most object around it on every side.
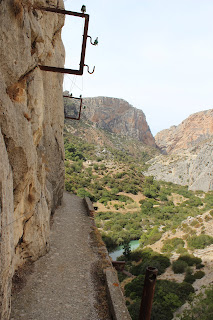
(95, 43)
(88, 69)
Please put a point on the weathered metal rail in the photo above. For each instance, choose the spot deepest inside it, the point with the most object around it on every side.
(148, 293)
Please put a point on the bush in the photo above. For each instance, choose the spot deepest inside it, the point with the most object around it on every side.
(189, 278)
(179, 266)
(199, 266)
(171, 244)
(201, 307)
(136, 285)
(200, 242)
(190, 259)
(199, 274)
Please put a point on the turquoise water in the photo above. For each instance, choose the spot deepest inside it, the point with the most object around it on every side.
(134, 244)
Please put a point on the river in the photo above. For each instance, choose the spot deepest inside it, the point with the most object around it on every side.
(134, 244)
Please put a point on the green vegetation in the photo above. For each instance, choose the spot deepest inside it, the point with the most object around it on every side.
(200, 242)
(200, 307)
(191, 260)
(168, 297)
(179, 266)
(111, 177)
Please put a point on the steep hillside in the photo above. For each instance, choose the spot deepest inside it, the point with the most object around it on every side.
(197, 128)
(116, 116)
(189, 153)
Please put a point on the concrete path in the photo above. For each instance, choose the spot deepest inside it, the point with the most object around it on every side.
(61, 286)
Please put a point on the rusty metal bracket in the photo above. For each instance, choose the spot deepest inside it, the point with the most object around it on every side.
(95, 43)
(88, 69)
(79, 114)
(84, 42)
(148, 293)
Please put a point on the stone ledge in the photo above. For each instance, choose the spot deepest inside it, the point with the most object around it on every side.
(115, 296)
(89, 206)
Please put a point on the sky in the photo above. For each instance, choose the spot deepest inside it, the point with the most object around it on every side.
(155, 54)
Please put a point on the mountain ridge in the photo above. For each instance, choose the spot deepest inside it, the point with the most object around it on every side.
(187, 153)
(116, 116)
(190, 132)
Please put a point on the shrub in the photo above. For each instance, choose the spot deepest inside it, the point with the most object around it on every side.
(179, 266)
(171, 244)
(190, 259)
(199, 266)
(201, 307)
(189, 278)
(199, 274)
(200, 242)
(136, 285)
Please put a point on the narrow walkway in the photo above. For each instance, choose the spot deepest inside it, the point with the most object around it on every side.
(61, 286)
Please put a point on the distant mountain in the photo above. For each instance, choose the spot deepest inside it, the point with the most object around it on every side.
(116, 116)
(196, 128)
(188, 153)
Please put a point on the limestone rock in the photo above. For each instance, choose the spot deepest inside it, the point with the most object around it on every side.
(189, 149)
(31, 139)
(119, 117)
(187, 168)
(196, 128)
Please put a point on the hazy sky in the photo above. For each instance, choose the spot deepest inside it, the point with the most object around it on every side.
(156, 54)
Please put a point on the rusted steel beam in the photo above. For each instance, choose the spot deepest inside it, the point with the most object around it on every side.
(60, 70)
(62, 11)
(148, 293)
(84, 44)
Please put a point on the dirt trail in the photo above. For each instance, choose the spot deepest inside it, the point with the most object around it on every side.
(61, 286)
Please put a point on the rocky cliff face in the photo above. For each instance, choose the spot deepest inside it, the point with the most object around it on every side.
(191, 167)
(119, 117)
(31, 140)
(196, 128)
(189, 148)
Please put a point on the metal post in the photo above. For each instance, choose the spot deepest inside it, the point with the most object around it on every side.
(148, 293)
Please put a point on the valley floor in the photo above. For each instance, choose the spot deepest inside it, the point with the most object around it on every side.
(61, 285)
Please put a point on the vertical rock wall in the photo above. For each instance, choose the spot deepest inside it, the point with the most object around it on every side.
(31, 134)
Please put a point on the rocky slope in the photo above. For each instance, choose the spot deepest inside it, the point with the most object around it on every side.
(31, 140)
(196, 128)
(189, 149)
(117, 116)
(192, 168)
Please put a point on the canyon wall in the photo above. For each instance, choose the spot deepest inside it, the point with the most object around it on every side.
(196, 128)
(116, 116)
(188, 153)
(31, 134)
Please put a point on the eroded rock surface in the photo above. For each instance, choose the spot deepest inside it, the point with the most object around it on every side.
(188, 153)
(119, 117)
(188, 168)
(31, 140)
(197, 128)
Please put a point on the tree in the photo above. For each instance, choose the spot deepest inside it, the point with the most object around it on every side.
(126, 248)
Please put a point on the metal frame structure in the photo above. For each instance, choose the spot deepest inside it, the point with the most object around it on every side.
(84, 42)
(79, 114)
